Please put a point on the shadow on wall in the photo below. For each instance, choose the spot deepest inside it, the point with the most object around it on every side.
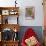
(37, 29)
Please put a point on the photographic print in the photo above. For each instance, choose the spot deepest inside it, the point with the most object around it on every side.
(5, 12)
(30, 13)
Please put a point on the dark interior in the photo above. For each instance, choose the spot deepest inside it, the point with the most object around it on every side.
(9, 35)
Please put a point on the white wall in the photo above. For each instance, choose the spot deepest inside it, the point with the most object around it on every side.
(38, 21)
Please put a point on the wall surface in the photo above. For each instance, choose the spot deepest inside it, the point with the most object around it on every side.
(37, 4)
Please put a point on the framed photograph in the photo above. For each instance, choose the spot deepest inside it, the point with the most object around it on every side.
(30, 13)
(5, 12)
(13, 12)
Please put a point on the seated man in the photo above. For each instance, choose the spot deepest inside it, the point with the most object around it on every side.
(30, 38)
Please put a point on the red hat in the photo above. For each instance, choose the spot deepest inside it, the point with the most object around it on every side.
(29, 33)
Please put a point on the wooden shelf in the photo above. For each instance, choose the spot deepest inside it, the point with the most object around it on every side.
(6, 13)
(5, 8)
(4, 24)
(10, 26)
(9, 43)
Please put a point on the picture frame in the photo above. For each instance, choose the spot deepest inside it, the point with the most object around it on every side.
(13, 12)
(5, 12)
(30, 12)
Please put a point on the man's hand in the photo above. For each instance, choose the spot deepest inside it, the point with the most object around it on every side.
(32, 41)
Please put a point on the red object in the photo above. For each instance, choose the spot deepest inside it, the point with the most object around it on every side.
(29, 33)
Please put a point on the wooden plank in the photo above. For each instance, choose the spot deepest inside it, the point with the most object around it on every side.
(10, 26)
